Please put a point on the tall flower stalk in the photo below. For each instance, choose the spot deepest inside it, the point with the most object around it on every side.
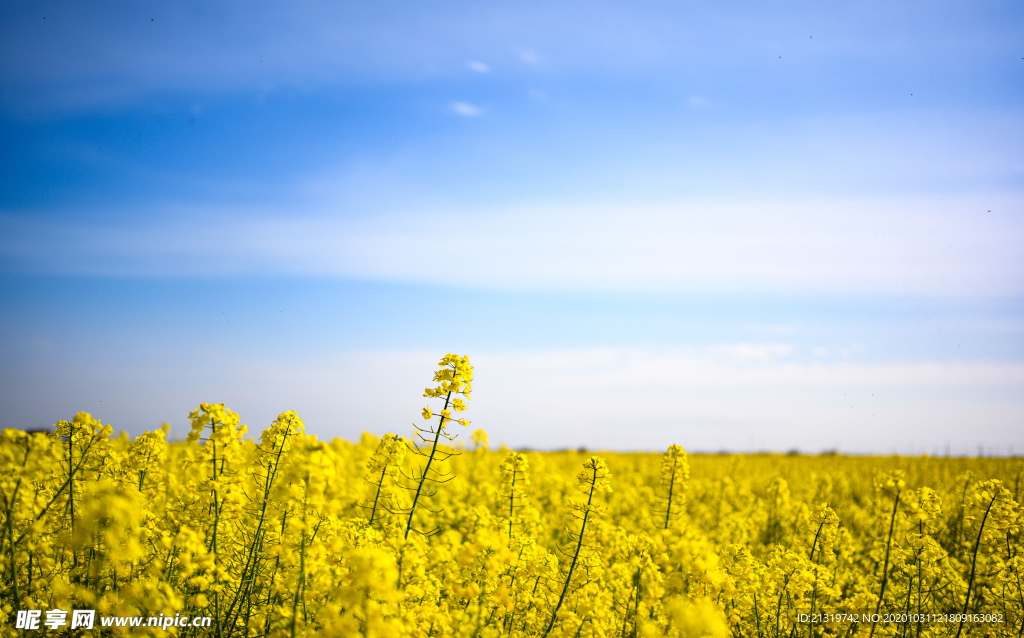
(675, 472)
(892, 484)
(454, 378)
(593, 479)
(514, 477)
(275, 440)
(382, 470)
(223, 450)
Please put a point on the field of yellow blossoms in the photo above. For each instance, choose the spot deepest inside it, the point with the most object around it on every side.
(426, 536)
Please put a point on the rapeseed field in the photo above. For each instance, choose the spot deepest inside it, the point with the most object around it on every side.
(425, 536)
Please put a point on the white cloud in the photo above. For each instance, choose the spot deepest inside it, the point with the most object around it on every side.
(478, 66)
(529, 56)
(466, 109)
(698, 101)
(891, 246)
(752, 351)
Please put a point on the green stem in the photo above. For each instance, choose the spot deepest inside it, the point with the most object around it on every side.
(71, 476)
(511, 504)
(814, 592)
(376, 497)
(778, 607)
(636, 601)
(10, 548)
(671, 486)
(257, 541)
(430, 459)
(757, 616)
(575, 556)
(917, 558)
(302, 571)
(216, 524)
(885, 565)
(273, 598)
(974, 564)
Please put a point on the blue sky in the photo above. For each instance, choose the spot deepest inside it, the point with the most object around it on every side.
(731, 226)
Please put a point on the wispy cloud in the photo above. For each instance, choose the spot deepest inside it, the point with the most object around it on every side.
(478, 66)
(866, 247)
(753, 351)
(466, 109)
(529, 56)
(698, 101)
